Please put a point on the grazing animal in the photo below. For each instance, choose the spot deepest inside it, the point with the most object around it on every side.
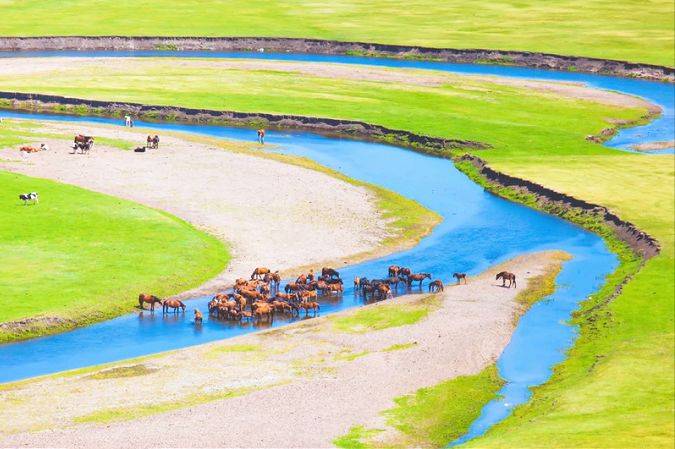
(28, 149)
(83, 143)
(198, 317)
(144, 298)
(32, 197)
(394, 270)
(304, 295)
(418, 278)
(436, 286)
(329, 273)
(263, 309)
(292, 287)
(259, 272)
(275, 279)
(393, 280)
(460, 277)
(309, 305)
(174, 304)
(506, 276)
(404, 272)
(382, 291)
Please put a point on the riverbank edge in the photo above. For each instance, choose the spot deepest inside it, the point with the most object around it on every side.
(581, 212)
(472, 391)
(632, 246)
(393, 206)
(536, 60)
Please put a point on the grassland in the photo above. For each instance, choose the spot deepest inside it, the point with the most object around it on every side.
(631, 29)
(88, 255)
(599, 396)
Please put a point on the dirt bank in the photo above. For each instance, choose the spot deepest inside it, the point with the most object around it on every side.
(310, 381)
(317, 46)
(641, 242)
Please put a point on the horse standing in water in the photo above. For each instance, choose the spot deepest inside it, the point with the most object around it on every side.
(174, 304)
(148, 299)
(261, 136)
(506, 276)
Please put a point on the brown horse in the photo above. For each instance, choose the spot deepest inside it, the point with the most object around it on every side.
(174, 304)
(259, 272)
(252, 295)
(382, 291)
(329, 273)
(460, 277)
(198, 317)
(436, 286)
(404, 271)
(334, 288)
(262, 309)
(148, 299)
(302, 279)
(506, 276)
(276, 279)
(293, 287)
(394, 270)
(418, 278)
(304, 295)
(309, 305)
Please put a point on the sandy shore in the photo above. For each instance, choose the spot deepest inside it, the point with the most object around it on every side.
(309, 382)
(260, 207)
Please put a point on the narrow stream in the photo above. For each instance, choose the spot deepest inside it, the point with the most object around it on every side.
(478, 230)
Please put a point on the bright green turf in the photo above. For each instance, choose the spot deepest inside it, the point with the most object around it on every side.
(635, 30)
(83, 256)
(616, 388)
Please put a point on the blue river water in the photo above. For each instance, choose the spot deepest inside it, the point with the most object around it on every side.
(478, 230)
(662, 94)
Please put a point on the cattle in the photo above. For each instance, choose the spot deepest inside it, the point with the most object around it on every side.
(32, 197)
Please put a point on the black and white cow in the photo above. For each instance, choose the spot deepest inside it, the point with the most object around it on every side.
(26, 197)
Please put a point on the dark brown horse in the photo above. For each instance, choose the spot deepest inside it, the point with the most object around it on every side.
(404, 272)
(460, 277)
(275, 279)
(394, 270)
(506, 276)
(420, 277)
(174, 304)
(329, 273)
(198, 317)
(382, 291)
(148, 299)
(436, 286)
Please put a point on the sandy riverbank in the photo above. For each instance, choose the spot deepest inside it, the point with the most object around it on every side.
(310, 382)
(260, 207)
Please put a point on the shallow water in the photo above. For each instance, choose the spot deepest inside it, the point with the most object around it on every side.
(478, 230)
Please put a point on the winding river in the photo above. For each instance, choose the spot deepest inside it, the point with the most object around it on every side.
(478, 230)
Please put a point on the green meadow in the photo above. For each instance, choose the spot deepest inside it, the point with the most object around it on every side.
(616, 387)
(634, 30)
(86, 256)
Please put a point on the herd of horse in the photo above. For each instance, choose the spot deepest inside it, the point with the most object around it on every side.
(260, 297)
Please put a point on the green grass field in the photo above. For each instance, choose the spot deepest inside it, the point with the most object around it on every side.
(634, 30)
(616, 388)
(86, 256)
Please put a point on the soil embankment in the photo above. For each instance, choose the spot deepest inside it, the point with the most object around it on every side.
(318, 46)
